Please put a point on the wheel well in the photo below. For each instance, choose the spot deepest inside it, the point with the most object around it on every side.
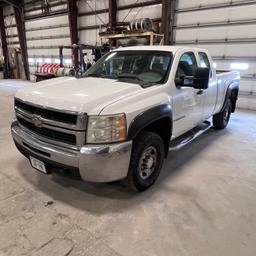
(233, 97)
(162, 127)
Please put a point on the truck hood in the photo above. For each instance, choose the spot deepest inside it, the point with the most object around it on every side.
(87, 94)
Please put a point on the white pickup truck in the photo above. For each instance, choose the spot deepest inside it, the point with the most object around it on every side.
(122, 118)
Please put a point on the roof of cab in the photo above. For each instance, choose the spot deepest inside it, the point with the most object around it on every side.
(157, 48)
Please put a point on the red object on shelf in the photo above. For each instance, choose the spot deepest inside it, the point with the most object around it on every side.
(48, 68)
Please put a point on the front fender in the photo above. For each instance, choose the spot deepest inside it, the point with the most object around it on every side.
(148, 117)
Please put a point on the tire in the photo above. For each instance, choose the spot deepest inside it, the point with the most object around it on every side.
(146, 160)
(220, 120)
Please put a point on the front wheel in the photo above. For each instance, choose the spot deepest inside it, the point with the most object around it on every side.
(146, 160)
(220, 120)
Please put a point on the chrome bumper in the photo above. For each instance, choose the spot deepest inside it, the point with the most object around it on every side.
(96, 163)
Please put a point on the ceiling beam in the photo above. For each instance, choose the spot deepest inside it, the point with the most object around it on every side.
(4, 45)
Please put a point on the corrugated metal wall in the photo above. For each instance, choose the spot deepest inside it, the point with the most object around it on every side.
(226, 28)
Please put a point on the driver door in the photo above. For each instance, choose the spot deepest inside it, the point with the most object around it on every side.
(188, 102)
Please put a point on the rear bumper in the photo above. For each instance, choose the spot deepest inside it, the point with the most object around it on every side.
(95, 163)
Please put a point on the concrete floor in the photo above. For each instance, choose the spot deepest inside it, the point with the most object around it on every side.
(204, 202)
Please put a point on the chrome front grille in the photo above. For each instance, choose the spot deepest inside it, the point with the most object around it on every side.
(47, 114)
(63, 128)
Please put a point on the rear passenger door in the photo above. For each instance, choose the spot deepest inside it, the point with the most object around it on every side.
(210, 94)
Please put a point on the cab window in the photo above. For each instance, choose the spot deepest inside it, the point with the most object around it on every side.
(204, 61)
(187, 65)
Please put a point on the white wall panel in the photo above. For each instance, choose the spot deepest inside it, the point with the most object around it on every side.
(217, 15)
(227, 65)
(41, 23)
(89, 36)
(247, 102)
(49, 32)
(92, 5)
(152, 12)
(47, 22)
(229, 50)
(12, 39)
(220, 32)
(49, 42)
(196, 3)
(11, 31)
(43, 52)
(92, 20)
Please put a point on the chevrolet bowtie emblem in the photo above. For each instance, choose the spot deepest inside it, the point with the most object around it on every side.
(37, 121)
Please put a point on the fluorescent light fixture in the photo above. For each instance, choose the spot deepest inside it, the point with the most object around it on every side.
(47, 60)
(241, 66)
(31, 60)
(57, 61)
(68, 61)
(39, 60)
(214, 64)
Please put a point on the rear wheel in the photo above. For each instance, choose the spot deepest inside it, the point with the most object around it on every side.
(220, 120)
(146, 160)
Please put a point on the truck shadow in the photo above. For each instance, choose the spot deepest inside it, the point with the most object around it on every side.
(113, 197)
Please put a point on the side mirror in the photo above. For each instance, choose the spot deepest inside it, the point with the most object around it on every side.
(199, 81)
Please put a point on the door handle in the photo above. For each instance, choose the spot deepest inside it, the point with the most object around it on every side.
(200, 92)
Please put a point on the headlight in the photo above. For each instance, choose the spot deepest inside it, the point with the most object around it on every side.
(106, 129)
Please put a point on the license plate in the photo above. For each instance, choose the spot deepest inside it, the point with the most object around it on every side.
(37, 164)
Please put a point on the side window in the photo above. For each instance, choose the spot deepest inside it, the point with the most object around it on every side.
(204, 61)
(187, 65)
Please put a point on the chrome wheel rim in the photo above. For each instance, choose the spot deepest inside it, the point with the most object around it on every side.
(147, 163)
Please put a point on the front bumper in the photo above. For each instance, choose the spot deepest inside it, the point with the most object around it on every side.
(96, 163)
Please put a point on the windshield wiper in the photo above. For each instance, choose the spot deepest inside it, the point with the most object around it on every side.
(99, 75)
(130, 77)
(141, 82)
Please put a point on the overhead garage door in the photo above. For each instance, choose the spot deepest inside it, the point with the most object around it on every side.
(228, 30)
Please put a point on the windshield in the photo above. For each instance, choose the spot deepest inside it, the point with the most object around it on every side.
(142, 67)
